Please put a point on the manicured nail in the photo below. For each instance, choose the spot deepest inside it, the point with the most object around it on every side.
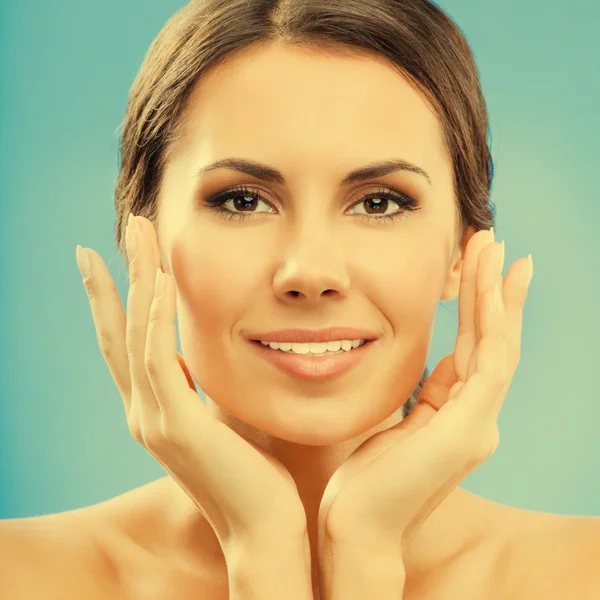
(83, 262)
(159, 284)
(530, 269)
(135, 223)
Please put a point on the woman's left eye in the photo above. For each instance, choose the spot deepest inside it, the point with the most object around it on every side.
(379, 201)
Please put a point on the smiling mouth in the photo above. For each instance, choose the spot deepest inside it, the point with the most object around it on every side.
(312, 354)
(313, 366)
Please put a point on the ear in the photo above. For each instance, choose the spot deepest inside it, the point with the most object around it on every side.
(452, 283)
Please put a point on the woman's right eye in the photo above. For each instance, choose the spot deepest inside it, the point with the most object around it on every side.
(242, 198)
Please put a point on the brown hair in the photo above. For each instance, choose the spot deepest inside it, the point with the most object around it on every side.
(416, 36)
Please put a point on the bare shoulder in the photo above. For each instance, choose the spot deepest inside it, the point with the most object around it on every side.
(48, 556)
(115, 549)
(551, 556)
(522, 554)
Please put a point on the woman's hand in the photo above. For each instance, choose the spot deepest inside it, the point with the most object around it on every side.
(389, 486)
(242, 491)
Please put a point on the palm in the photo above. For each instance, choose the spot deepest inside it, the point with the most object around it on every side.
(273, 475)
(434, 394)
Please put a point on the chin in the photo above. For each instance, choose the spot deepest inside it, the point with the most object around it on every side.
(315, 425)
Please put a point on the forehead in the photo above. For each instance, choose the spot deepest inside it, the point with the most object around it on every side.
(281, 102)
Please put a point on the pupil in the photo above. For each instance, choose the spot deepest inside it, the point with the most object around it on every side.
(378, 203)
(242, 202)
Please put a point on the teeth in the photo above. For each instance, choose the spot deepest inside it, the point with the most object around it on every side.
(315, 349)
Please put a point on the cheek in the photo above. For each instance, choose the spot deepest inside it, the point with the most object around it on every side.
(214, 282)
(408, 291)
(211, 286)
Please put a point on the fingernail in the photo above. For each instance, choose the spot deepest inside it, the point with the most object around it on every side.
(503, 255)
(131, 241)
(83, 262)
(530, 270)
(159, 284)
(493, 234)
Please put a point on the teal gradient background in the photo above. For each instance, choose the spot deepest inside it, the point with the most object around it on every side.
(66, 69)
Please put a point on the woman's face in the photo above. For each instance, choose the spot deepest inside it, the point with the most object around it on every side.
(306, 256)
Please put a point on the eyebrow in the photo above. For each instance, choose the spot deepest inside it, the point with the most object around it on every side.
(267, 173)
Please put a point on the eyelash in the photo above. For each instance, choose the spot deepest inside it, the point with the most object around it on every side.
(217, 202)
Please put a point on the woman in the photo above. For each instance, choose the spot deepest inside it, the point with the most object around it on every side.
(321, 169)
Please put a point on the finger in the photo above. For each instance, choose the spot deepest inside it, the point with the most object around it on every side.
(467, 303)
(433, 396)
(152, 234)
(492, 358)
(442, 378)
(188, 375)
(141, 292)
(514, 294)
(170, 380)
(110, 323)
(489, 274)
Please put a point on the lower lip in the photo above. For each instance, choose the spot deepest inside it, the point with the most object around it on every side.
(314, 367)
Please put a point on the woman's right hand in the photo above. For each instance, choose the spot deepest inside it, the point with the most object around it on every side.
(244, 493)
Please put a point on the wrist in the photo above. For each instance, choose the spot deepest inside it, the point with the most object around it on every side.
(263, 567)
(358, 569)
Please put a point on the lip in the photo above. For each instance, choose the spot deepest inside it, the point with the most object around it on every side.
(314, 367)
(300, 336)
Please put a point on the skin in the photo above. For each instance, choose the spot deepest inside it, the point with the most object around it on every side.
(307, 259)
(385, 277)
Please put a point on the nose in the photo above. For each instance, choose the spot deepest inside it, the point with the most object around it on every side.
(311, 270)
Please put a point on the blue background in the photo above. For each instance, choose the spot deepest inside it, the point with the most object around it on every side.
(66, 69)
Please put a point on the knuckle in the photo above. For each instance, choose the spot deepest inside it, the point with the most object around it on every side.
(153, 316)
(89, 287)
(134, 276)
(159, 436)
(106, 344)
(472, 449)
(153, 438)
(135, 429)
(172, 434)
(132, 337)
(151, 364)
(488, 443)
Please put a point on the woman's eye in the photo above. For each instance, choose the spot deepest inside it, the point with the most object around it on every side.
(378, 205)
(238, 201)
(241, 203)
(247, 202)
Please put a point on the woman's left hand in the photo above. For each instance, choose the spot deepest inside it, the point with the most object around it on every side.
(391, 483)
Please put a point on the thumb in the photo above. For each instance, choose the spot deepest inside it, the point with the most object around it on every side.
(188, 376)
(438, 384)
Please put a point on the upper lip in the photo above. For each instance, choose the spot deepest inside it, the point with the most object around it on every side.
(315, 335)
